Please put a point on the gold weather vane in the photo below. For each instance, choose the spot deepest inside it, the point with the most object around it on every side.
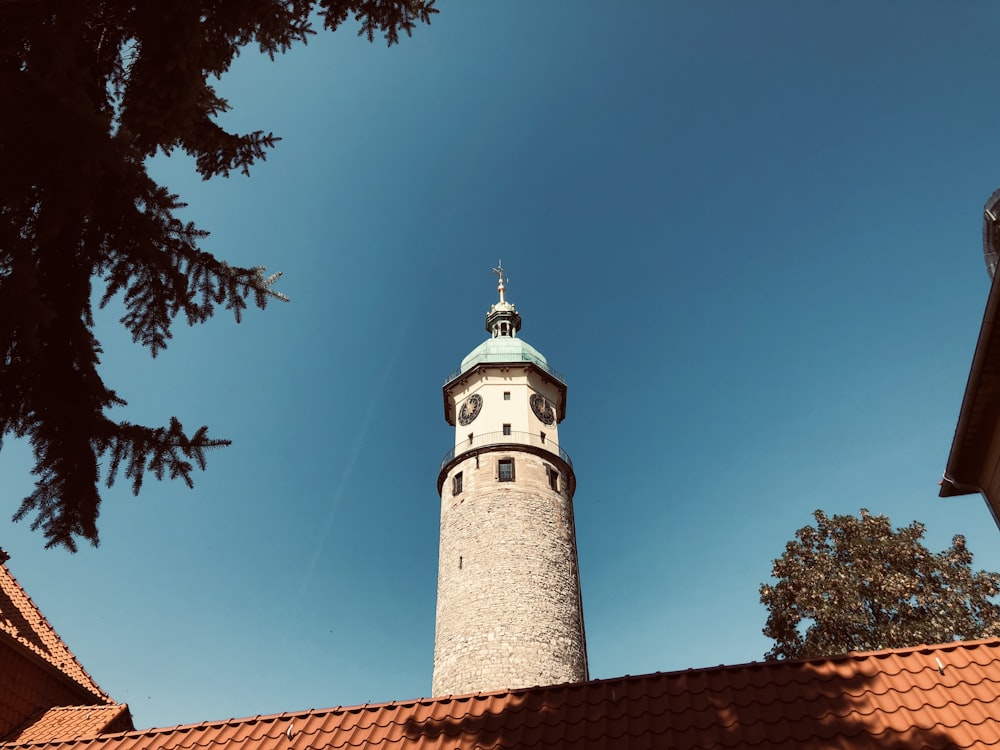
(499, 273)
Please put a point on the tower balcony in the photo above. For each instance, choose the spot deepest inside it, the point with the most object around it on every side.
(495, 440)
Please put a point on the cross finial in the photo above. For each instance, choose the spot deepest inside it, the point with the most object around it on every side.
(499, 273)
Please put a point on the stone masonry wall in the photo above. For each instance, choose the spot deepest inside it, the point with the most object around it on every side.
(509, 611)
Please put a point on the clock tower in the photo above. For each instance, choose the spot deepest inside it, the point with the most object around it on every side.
(509, 612)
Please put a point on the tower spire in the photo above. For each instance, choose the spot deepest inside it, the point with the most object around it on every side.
(502, 319)
(500, 281)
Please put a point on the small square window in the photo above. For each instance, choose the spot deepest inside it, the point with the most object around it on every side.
(505, 470)
(506, 429)
(506, 395)
(553, 478)
(456, 484)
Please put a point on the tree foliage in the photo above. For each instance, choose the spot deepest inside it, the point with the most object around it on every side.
(91, 89)
(855, 584)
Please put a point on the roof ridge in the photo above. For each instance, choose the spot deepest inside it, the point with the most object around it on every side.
(42, 628)
(763, 664)
(847, 656)
(946, 646)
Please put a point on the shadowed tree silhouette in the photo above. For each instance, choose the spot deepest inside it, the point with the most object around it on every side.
(91, 90)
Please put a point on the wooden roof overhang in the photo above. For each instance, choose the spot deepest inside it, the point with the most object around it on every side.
(978, 417)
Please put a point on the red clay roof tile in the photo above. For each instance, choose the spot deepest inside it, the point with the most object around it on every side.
(66, 723)
(22, 621)
(896, 699)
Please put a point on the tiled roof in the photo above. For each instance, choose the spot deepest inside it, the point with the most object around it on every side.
(24, 623)
(945, 696)
(66, 723)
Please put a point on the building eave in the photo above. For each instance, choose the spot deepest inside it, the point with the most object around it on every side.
(980, 408)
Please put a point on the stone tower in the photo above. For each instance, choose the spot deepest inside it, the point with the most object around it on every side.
(509, 612)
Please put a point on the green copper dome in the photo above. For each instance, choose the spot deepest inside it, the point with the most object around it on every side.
(504, 349)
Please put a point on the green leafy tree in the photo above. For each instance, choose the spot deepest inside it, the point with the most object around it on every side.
(91, 89)
(855, 584)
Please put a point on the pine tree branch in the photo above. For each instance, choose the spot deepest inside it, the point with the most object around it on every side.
(99, 86)
(162, 451)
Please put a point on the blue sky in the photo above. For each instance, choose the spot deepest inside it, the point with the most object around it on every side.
(749, 234)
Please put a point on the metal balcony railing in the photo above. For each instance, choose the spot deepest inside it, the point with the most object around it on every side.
(498, 438)
(500, 358)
